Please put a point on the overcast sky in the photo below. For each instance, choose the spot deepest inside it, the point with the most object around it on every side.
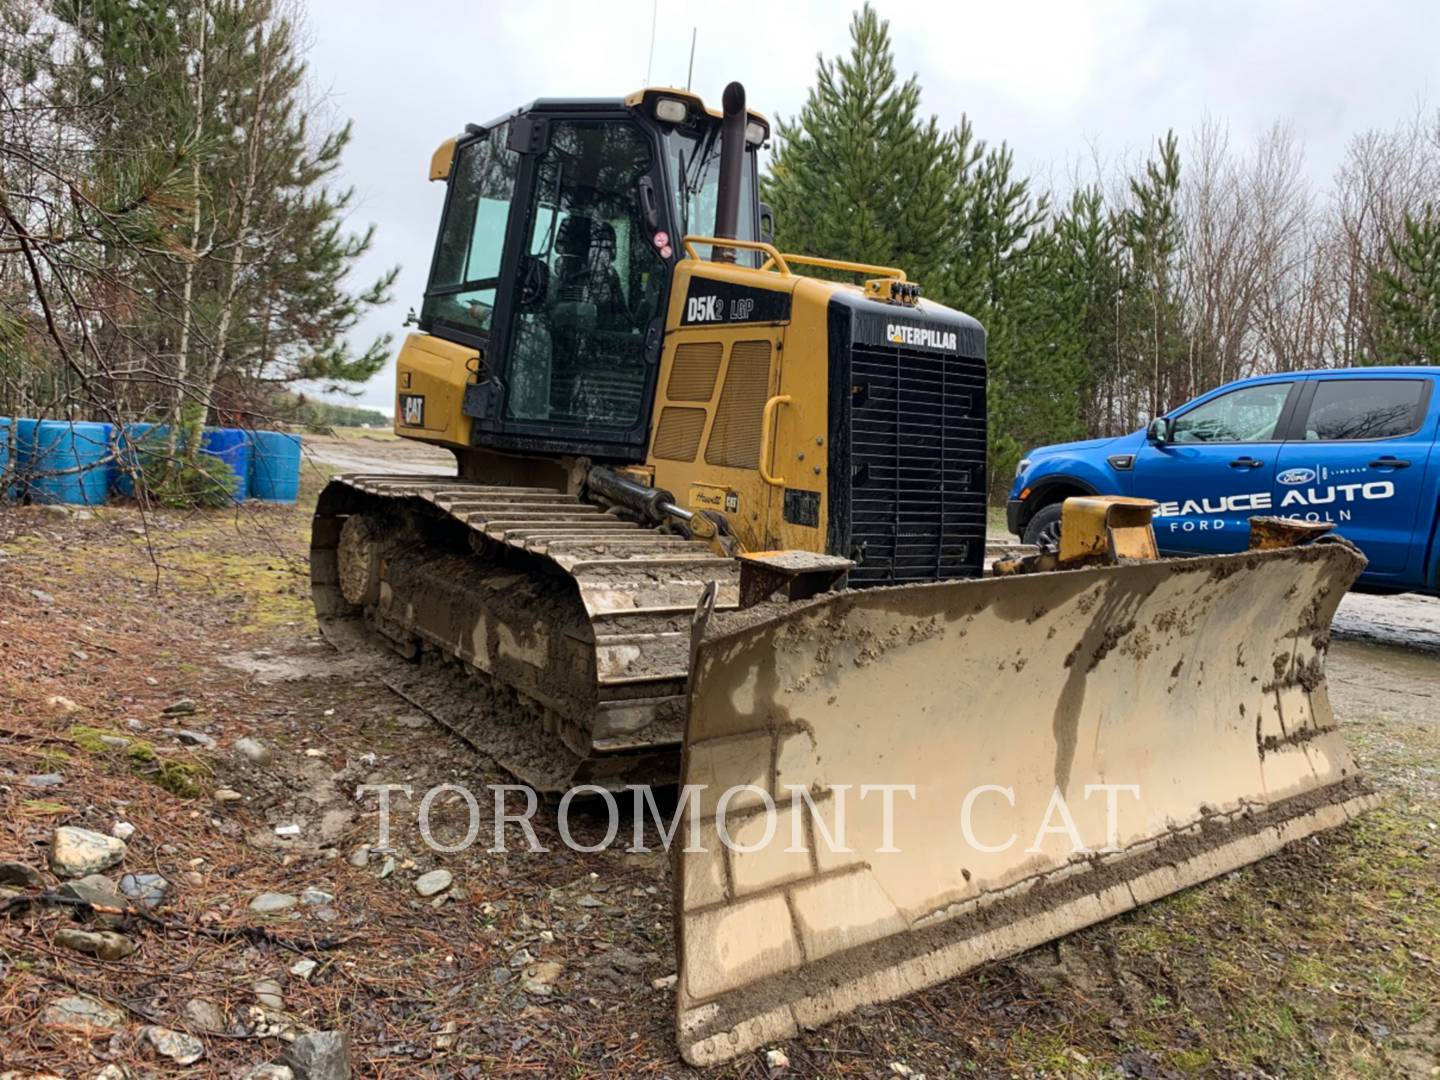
(1058, 81)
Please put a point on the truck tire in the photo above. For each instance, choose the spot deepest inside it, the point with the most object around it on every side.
(1044, 528)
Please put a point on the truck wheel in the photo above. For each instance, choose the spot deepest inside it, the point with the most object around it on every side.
(1044, 528)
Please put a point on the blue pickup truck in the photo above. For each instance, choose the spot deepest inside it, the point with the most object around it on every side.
(1356, 447)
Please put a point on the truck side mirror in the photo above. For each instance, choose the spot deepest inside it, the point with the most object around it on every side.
(1160, 431)
(767, 224)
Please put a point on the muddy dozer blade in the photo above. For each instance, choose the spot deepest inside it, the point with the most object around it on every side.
(1178, 708)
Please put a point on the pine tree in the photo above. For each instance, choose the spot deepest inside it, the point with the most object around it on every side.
(1408, 293)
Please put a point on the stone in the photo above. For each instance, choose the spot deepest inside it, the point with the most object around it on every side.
(321, 1055)
(287, 830)
(44, 780)
(899, 1068)
(147, 890)
(303, 969)
(326, 914)
(104, 944)
(75, 852)
(226, 795)
(204, 1014)
(115, 742)
(270, 1072)
(268, 993)
(80, 654)
(61, 704)
(196, 738)
(97, 890)
(445, 1037)
(179, 1046)
(254, 751)
(387, 867)
(111, 1072)
(588, 901)
(313, 897)
(665, 982)
(16, 873)
(183, 707)
(80, 1012)
(776, 1060)
(269, 902)
(360, 857)
(436, 881)
(43, 596)
(122, 830)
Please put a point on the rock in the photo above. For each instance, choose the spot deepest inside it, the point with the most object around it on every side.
(204, 1014)
(112, 1072)
(183, 707)
(588, 902)
(387, 867)
(115, 742)
(521, 958)
(268, 902)
(665, 982)
(44, 780)
(147, 890)
(269, 993)
(314, 897)
(539, 979)
(303, 969)
(445, 1037)
(135, 725)
(150, 680)
(57, 703)
(436, 881)
(369, 758)
(76, 852)
(122, 830)
(80, 1012)
(360, 857)
(15, 873)
(899, 1068)
(227, 795)
(776, 1060)
(254, 751)
(287, 830)
(104, 944)
(326, 914)
(547, 937)
(322, 1055)
(80, 654)
(98, 890)
(179, 1046)
(43, 596)
(313, 752)
(196, 738)
(270, 1072)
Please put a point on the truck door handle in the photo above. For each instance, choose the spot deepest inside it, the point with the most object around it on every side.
(1388, 462)
(765, 441)
(1246, 463)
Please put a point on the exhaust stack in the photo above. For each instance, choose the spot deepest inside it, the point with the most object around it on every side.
(732, 162)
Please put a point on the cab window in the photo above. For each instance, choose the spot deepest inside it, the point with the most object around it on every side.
(589, 284)
(1250, 414)
(693, 163)
(1344, 409)
(466, 272)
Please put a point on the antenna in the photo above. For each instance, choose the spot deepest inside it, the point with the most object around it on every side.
(690, 73)
(650, 62)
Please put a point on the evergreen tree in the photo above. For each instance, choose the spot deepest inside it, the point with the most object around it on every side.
(1408, 293)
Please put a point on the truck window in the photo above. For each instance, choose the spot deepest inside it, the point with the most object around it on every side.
(472, 238)
(1249, 414)
(1345, 409)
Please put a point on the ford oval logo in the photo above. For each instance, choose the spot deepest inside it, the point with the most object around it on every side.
(1296, 476)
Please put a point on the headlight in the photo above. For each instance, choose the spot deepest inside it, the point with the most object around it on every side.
(1022, 466)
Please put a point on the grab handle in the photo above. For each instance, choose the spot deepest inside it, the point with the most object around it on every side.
(770, 406)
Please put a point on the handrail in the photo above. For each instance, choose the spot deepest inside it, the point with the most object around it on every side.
(782, 262)
(765, 417)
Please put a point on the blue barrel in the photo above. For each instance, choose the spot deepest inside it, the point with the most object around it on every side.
(232, 446)
(274, 466)
(5, 466)
(64, 461)
(134, 446)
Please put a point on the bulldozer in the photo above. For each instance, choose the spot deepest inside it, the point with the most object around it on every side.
(718, 521)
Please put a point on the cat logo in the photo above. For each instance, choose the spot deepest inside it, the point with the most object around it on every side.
(412, 410)
(732, 502)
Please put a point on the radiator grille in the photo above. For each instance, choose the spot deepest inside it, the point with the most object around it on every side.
(735, 435)
(917, 434)
(678, 436)
(692, 375)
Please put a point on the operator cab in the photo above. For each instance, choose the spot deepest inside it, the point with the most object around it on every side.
(563, 221)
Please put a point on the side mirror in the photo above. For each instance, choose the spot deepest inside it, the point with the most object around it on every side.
(1160, 430)
(767, 224)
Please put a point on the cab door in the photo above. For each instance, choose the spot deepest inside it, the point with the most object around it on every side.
(1357, 457)
(1215, 469)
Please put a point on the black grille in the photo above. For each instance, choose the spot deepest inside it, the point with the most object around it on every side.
(917, 443)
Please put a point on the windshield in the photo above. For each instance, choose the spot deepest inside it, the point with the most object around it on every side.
(693, 163)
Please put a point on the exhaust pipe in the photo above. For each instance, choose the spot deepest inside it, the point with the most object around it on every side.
(732, 162)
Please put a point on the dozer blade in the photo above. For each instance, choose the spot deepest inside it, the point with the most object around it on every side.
(1178, 708)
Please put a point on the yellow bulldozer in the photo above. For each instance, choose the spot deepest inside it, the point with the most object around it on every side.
(718, 521)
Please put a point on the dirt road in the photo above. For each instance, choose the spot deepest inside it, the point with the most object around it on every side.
(259, 782)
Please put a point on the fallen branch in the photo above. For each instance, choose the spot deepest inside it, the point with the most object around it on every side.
(254, 934)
